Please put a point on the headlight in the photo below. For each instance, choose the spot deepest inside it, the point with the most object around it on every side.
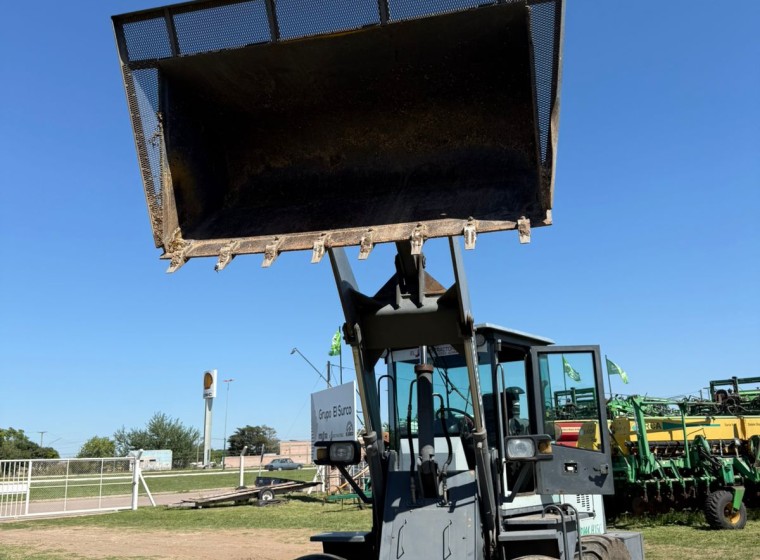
(337, 452)
(520, 448)
(529, 448)
(342, 452)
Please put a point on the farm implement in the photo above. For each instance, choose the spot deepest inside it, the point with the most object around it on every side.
(730, 397)
(674, 461)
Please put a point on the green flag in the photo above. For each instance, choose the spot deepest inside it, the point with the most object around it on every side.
(614, 369)
(569, 371)
(335, 344)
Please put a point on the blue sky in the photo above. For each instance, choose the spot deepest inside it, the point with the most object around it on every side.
(654, 253)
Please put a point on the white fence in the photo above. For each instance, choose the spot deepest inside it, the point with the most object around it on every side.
(37, 487)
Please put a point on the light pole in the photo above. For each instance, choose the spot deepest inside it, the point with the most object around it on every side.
(294, 350)
(226, 406)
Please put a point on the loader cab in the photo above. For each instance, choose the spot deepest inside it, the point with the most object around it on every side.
(524, 386)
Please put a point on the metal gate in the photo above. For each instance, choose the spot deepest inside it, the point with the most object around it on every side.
(38, 487)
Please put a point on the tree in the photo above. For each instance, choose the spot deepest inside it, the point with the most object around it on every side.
(97, 447)
(254, 437)
(14, 444)
(161, 432)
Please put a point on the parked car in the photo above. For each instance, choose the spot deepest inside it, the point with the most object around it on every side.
(284, 464)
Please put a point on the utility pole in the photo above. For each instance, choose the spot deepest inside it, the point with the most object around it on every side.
(209, 394)
(41, 435)
(226, 406)
(319, 373)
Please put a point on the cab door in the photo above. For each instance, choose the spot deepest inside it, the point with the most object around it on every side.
(570, 406)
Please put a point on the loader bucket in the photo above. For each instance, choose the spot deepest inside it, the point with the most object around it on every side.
(266, 126)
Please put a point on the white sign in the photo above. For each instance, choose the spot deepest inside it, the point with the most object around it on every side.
(209, 384)
(333, 414)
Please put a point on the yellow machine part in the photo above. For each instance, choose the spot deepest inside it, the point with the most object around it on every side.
(589, 436)
(665, 429)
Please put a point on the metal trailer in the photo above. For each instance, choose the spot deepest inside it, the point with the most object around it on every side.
(665, 462)
(241, 496)
(264, 127)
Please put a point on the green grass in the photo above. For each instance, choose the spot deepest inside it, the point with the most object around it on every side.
(683, 518)
(216, 479)
(177, 481)
(298, 511)
(670, 542)
(78, 488)
(23, 553)
(677, 536)
(686, 535)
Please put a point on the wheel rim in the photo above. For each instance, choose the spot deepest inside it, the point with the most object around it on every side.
(733, 516)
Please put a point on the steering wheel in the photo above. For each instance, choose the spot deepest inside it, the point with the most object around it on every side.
(469, 421)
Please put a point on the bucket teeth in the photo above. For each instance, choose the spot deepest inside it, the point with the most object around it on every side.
(417, 239)
(523, 229)
(178, 260)
(271, 252)
(318, 250)
(177, 248)
(226, 255)
(365, 245)
(470, 234)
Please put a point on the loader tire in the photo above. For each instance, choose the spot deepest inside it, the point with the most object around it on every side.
(603, 547)
(720, 514)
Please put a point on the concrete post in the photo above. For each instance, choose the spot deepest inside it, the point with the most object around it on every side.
(242, 466)
(136, 478)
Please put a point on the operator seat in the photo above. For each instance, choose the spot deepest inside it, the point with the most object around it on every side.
(515, 425)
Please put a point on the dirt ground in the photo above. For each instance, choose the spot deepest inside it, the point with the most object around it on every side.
(95, 542)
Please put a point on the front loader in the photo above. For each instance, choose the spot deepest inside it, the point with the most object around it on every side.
(265, 126)
(460, 429)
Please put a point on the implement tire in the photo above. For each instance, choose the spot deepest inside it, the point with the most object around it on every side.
(602, 547)
(720, 514)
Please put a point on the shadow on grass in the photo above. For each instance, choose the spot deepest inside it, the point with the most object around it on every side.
(674, 518)
(307, 498)
(695, 519)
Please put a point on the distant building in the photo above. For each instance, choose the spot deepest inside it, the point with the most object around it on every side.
(299, 451)
(156, 460)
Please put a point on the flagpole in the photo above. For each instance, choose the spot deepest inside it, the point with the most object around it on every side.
(609, 377)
